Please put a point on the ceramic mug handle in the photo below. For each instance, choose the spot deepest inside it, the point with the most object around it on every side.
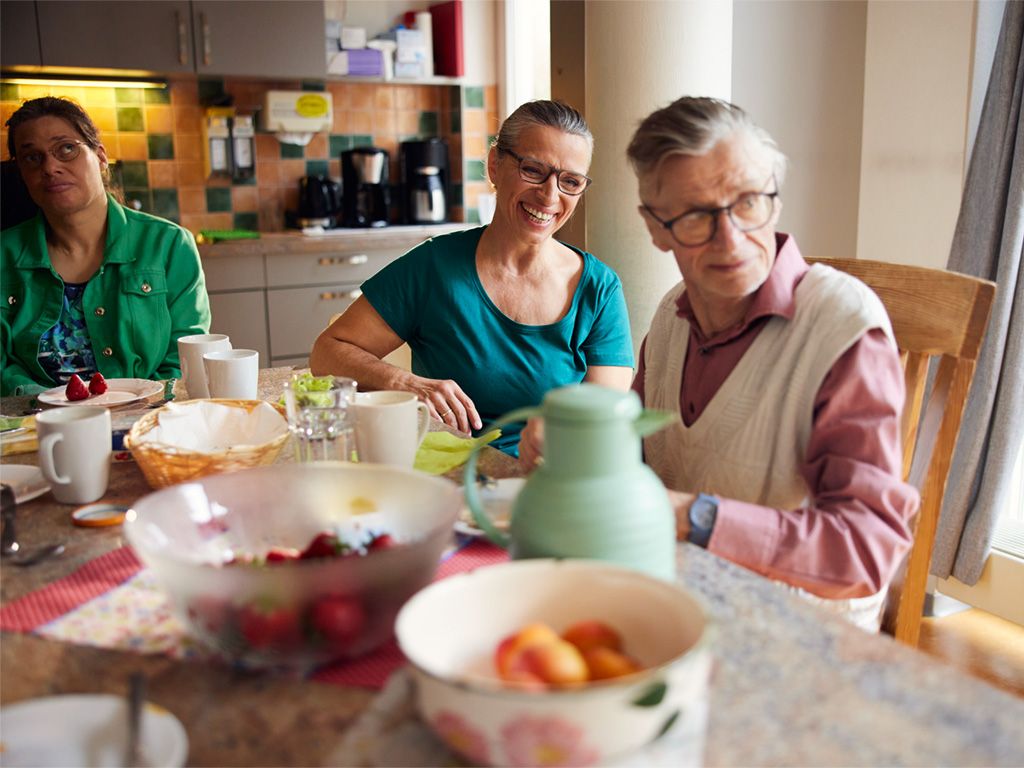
(46, 446)
(483, 520)
(424, 425)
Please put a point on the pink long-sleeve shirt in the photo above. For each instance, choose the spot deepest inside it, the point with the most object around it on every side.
(851, 539)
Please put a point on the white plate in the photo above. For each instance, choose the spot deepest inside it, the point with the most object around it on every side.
(79, 729)
(119, 392)
(497, 501)
(26, 482)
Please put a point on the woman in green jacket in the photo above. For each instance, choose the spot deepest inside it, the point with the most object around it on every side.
(88, 285)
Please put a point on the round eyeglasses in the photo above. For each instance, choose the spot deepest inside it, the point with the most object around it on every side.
(698, 226)
(537, 172)
(65, 151)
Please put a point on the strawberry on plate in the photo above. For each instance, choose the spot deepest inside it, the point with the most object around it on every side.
(76, 389)
(97, 384)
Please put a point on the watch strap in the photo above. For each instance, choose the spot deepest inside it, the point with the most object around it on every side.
(703, 513)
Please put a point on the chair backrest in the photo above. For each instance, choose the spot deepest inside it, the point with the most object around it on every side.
(934, 314)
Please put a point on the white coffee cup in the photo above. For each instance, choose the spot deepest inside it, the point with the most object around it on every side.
(232, 373)
(74, 452)
(390, 426)
(190, 353)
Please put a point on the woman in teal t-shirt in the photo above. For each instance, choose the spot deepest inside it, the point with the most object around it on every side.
(497, 315)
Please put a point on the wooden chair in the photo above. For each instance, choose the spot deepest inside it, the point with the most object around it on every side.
(934, 314)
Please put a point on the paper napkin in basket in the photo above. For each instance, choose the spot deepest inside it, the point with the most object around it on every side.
(210, 427)
(442, 451)
(21, 441)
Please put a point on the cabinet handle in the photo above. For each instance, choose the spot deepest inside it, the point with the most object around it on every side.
(359, 258)
(205, 26)
(182, 38)
(335, 295)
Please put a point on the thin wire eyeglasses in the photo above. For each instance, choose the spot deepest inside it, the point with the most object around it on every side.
(64, 151)
(697, 226)
(537, 172)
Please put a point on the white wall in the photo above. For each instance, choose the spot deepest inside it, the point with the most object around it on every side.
(798, 70)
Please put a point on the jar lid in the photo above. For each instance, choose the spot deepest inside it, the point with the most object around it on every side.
(99, 515)
(590, 403)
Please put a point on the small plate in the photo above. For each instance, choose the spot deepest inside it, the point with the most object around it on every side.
(27, 482)
(497, 500)
(82, 729)
(119, 392)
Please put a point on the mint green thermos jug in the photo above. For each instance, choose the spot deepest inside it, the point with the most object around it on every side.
(593, 497)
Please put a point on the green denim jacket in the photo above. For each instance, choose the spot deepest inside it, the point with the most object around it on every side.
(149, 291)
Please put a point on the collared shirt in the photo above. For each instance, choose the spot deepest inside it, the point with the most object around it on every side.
(851, 538)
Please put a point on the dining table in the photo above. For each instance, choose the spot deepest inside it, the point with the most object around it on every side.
(791, 684)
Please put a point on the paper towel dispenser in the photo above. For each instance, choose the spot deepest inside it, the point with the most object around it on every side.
(298, 112)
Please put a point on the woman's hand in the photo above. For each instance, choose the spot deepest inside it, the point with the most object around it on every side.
(531, 445)
(448, 403)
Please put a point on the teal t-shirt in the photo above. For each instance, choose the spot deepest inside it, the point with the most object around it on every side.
(432, 297)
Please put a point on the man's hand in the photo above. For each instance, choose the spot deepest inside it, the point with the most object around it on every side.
(681, 505)
(531, 445)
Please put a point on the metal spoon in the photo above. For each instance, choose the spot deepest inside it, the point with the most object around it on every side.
(136, 698)
(10, 550)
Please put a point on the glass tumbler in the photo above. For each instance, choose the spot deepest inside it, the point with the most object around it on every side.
(320, 418)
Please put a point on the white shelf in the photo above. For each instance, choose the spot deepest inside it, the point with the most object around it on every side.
(437, 80)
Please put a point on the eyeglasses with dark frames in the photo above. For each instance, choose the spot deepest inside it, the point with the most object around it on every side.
(537, 172)
(697, 226)
(65, 151)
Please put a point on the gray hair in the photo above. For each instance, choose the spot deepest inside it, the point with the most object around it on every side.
(693, 126)
(544, 113)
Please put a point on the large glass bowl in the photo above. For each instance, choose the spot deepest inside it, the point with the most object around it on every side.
(196, 536)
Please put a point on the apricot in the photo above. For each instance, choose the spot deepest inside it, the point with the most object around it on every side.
(556, 662)
(510, 649)
(592, 634)
(604, 663)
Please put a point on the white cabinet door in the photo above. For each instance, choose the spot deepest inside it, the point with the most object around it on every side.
(298, 315)
(243, 317)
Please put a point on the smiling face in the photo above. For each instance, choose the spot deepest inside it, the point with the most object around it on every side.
(723, 274)
(57, 187)
(534, 212)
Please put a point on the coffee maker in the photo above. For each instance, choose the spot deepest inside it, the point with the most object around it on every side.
(365, 195)
(425, 181)
(318, 202)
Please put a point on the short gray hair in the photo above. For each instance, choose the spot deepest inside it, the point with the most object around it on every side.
(693, 125)
(544, 113)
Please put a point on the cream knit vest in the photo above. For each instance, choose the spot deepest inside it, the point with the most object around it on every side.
(750, 441)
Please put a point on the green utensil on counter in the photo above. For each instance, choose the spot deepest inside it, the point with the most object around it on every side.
(213, 235)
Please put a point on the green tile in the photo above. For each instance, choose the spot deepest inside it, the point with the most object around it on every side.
(218, 199)
(134, 174)
(124, 96)
(491, 140)
(472, 216)
(8, 92)
(165, 203)
(313, 85)
(339, 143)
(211, 91)
(292, 151)
(473, 96)
(142, 196)
(476, 170)
(456, 190)
(428, 123)
(249, 181)
(361, 140)
(316, 168)
(157, 95)
(456, 120)
(250, 220)
(130, 119)
(161, 146)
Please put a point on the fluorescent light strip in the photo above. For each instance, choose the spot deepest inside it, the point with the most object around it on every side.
(72, 83)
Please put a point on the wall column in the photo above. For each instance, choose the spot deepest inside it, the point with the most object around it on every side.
(641, 56)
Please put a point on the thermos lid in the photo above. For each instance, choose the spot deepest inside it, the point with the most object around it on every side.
(590, 403)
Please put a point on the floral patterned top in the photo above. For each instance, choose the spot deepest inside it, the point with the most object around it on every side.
(65, 349)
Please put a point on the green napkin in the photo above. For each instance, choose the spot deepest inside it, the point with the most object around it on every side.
(443, 451)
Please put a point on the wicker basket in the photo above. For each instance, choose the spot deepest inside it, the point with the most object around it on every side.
(164, 465)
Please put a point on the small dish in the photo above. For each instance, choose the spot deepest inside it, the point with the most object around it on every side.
(119, 392)
(497, 498)
(26, 481)
(93, 731)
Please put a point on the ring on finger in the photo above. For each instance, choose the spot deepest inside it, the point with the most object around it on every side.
(445, 414)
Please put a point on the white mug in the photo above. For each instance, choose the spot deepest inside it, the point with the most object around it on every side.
(190, 354)
(390, 426)
(74, 452)
(232, 373)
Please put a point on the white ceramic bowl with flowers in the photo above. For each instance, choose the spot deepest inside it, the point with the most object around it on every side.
(450, 630)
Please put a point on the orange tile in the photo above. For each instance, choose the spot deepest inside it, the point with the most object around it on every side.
(188, 146)
(163, 174)
(97, 97)
(291, 172)
(133, 146)
(268, 172)
(384, 122)
(290, 199)
(185, 92)
(267, 147)
(492, 123)
(192, 199)
(427, 97)
(340, 124)
(384, 97)
(407, 122)
(475, 146)
(361, 96)
(471, 191)
(339, 96)
(389, 144)
(105, 118)
(188, 119)
(190, 173)
(159, 118)
(112, 144)
(405, 96)
(317, 147)
(491, 98)
(334, 168)
(244, 199)
(360, 123)
(473, 121)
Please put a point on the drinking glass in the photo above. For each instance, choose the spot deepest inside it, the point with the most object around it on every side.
(320, 418)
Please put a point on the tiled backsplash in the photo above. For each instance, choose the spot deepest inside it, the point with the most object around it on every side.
(156, 134)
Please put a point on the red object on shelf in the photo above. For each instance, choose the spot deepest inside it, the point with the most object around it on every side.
(446, 20)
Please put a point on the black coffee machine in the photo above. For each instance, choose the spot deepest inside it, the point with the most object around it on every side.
(425, 180)
(365, 196)
(319, 202)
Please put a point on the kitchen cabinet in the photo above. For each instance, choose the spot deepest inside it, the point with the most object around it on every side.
(19, 34)
(236, 284)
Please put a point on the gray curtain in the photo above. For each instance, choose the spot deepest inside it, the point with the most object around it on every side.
(988, 242)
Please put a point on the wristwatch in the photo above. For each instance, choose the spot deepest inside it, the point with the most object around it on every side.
(702, 516)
